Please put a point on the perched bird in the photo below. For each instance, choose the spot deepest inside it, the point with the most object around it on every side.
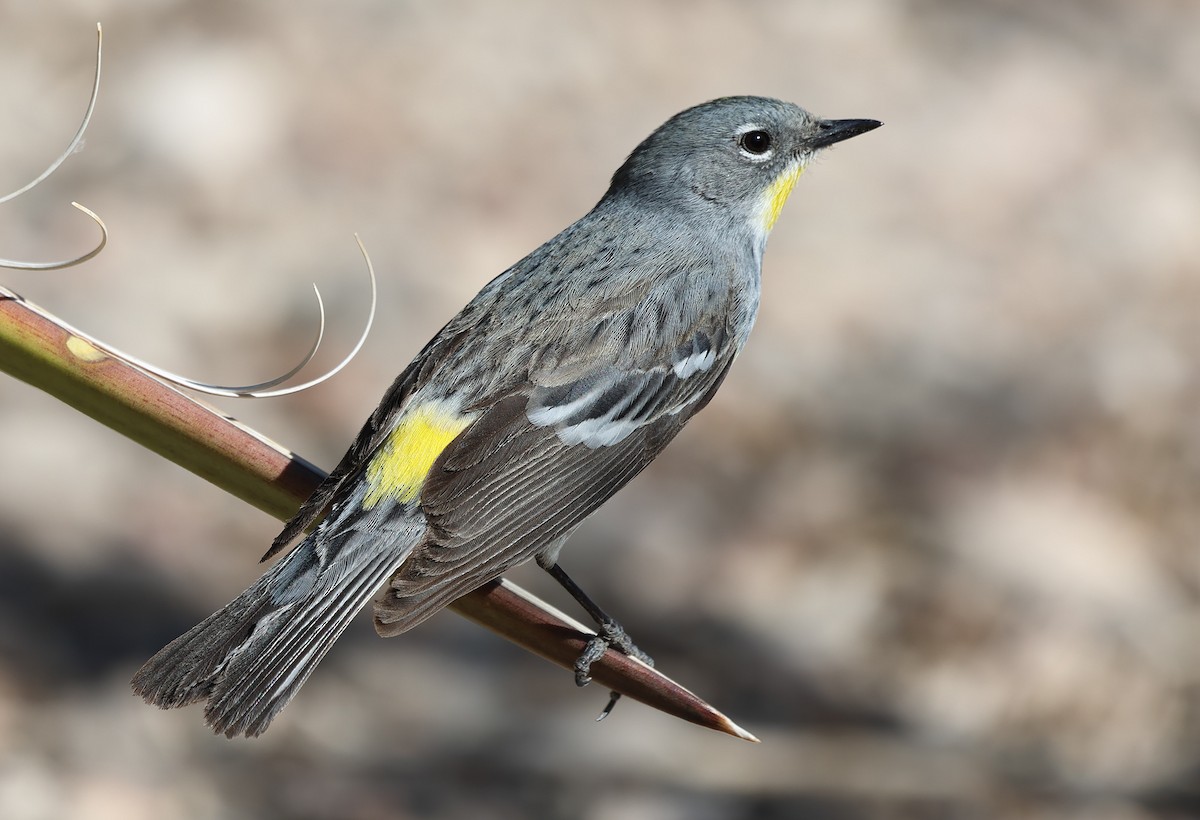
(558, 383)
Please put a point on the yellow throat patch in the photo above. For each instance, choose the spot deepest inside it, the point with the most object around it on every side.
(777, 194)
(403, 461)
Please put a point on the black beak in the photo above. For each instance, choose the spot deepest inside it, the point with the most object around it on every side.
(831, 131)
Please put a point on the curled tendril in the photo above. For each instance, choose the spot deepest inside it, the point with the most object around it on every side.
(76, 141)
(362, 339)
(66, 263)
(251, 391)
(260, 390)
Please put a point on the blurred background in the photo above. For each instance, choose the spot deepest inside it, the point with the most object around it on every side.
(935, 542)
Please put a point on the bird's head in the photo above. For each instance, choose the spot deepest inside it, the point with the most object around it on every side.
(737, 156)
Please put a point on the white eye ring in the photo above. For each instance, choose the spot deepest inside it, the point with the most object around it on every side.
(749, 139)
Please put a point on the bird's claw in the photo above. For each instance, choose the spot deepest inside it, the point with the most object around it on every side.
(611, 634)
(594, 650)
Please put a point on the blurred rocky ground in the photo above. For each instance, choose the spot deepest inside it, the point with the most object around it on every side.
(935, 541)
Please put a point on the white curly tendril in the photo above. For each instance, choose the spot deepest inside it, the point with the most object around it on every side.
(259, 390)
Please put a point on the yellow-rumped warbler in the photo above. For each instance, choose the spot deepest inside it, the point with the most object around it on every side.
(558, 383)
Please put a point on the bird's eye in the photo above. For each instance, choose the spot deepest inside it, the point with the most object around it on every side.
(755, 142)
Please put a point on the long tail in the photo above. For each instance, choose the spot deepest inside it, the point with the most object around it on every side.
(249, 658)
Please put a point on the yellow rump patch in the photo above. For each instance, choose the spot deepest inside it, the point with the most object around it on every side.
(777, 194)
(399, 468)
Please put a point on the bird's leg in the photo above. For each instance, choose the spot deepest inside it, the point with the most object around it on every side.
(609, 633)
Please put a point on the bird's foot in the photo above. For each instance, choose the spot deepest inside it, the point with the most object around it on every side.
(610, 635)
